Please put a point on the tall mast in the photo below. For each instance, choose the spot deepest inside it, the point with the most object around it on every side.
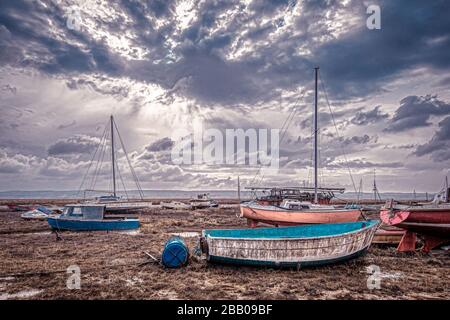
(113, 160)
(316, 70)
(374, 187)
(239, 190)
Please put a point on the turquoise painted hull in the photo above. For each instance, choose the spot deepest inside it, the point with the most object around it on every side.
(92, 225)
(297, 247)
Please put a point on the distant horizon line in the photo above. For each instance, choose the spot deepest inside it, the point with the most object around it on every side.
(199, 190)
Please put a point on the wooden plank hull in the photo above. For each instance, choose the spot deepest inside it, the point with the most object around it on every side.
(291, 251)
(290, 217)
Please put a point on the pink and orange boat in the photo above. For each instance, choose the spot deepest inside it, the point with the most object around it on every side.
(294, 212)
(431, 221)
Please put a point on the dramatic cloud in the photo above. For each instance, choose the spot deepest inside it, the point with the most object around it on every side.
(363, 118)
(160, 145)
(164, 68)
(439, 146)
(74, 145)
(415, 112)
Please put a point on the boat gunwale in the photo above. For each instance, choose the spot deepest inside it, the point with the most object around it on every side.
(376, 224)
(287, 210)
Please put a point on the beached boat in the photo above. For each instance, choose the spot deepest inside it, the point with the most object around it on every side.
(34, 215)
(430, 220)
(295, 211)
(174, 205)
(299, 246)
(203, 201)
(114, 204)
(90, 217)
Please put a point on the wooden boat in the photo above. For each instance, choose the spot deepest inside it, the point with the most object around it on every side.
(293, 212)
(389, 236)
(203, 201)
(299, 246)
(431, 221)
(174, 205)
(90, 217)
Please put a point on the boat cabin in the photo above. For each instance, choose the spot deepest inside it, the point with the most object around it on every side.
(84, 211)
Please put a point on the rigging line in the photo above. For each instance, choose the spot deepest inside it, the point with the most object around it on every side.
(136, 180)
(337, 132)
(99, 163)
(285, 126)
(121, 179)
(103, 143)
(91, 162)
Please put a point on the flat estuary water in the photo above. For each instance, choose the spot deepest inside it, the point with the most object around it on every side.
(35, 264)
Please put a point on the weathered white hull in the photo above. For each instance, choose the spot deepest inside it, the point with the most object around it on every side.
(290, 251)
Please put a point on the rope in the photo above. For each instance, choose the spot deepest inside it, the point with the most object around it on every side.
(136, 180)
(337, 133)
(284, 128)
(92, 160)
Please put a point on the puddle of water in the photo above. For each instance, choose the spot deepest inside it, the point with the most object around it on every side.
(20, 294)
(41, 233)
(130, 232)
(187, 234)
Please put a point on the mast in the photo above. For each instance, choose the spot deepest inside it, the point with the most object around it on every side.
(447, 191)
(113, 160)
(239, 190)
(316, 71)
(374, 187)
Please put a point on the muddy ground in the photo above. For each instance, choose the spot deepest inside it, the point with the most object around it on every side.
(33, 265)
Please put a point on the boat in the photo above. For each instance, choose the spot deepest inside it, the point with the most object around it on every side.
(388, 236)
(203, 201)
(39, 213)
(90, 217)
(113, 202)
(295, 210)
(298, 246)
(429, 220)
(175, 205)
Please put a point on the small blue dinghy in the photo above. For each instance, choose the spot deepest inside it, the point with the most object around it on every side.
(299, 246)
(89, 217)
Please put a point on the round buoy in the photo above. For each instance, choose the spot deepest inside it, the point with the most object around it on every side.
(175, 253)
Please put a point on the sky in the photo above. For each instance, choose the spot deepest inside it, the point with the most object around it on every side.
(164, 68)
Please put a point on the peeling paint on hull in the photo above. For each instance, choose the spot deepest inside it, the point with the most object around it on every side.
(292, 251)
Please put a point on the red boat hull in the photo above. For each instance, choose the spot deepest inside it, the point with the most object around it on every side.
(432, 223)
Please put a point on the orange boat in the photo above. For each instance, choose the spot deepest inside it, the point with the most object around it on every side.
(293, 212)
(280, 209)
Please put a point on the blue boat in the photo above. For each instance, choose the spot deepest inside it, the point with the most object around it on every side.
(89, 217)
(299, 246)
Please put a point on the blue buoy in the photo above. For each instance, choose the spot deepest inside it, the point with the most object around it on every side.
(175, 253)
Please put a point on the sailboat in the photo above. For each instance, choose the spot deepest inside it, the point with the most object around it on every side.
(295, 211)
(113, 203)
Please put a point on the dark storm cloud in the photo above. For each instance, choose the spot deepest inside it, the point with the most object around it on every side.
(438, 148)
(363, 118)
(78, 144)
(353, 65)
(413, 33)
(414, 112)
(163, 144)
